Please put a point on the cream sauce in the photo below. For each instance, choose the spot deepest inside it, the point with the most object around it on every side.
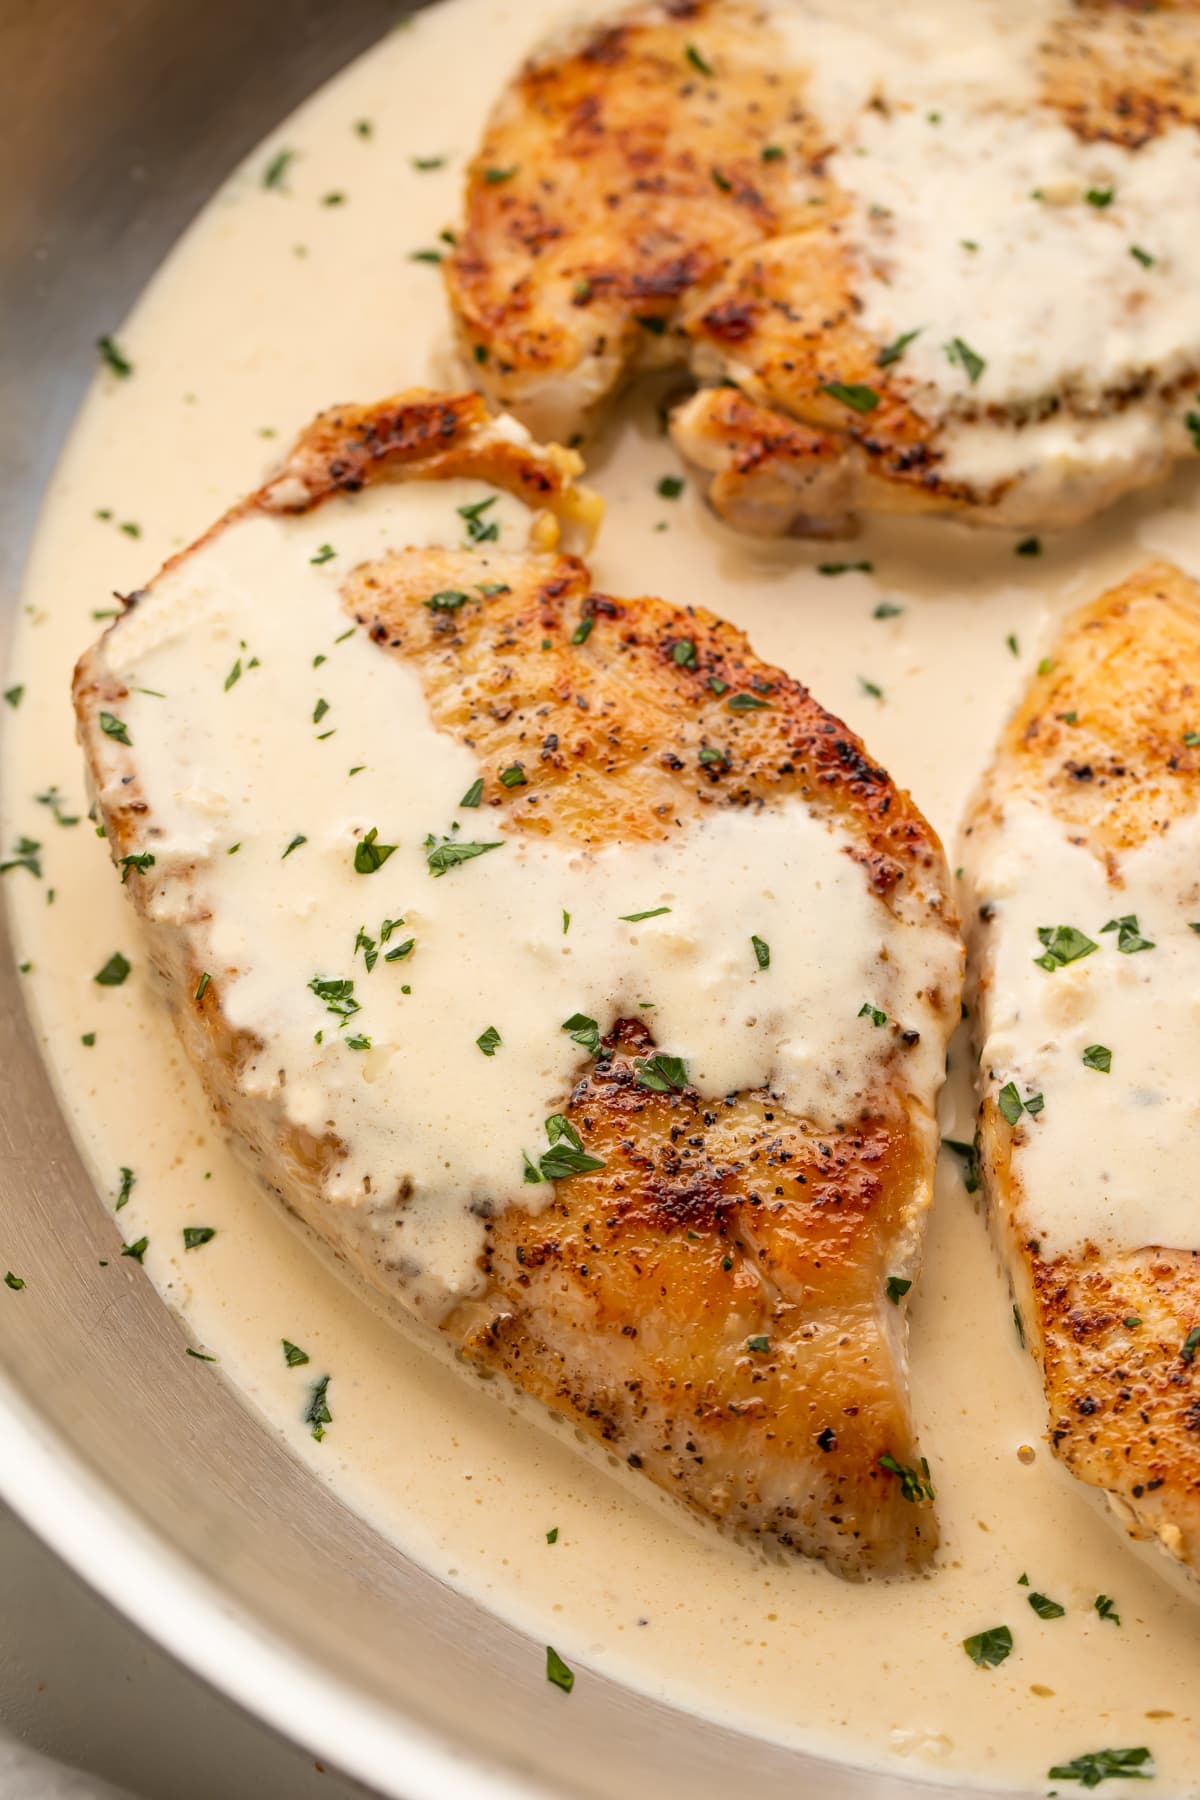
(872, 1673)
(1133, 1183)
(270, 738)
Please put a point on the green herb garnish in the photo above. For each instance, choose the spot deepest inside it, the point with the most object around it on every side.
(195, 1235)
(989, 1648)
(489, 1041)
(114, 971)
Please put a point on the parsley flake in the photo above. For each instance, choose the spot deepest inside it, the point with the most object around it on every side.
(557, 1672)
(662, 1074)
(1129, 937)
(115, 358)
(967, 359)
(895, 350)
(762, 951)
(895, 1287)
(293, 1356)
(115, 728)
(449, 854)
(114, 971)
(317, 1413)
(636, 918)
(1063, 944)
(988, 1649)
(1099, 1057)
(1095, 1766)
(370, 855)
(195, 1235)
(489, 1041)
(855, 394)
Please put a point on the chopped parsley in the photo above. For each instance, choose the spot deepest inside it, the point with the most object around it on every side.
(636, 918)
(15, 1282)
(684, 653)
(370, 855)
(141, 862)
(552, 1535)
(202, 985)
(115, 728)
(988, 1649)
(1142, 256)
(447, 600)
(358, 1042)
(423, 164)
(449, 853)
(114, 971)
(1099, 1057)
(114, 357)
(338, 994)
(1013, 644)
(1095, 1766)
(277, 168)
(294, 845)
(662, 1074)
(1046, 666)
(126, 1188)
(1012, 1106)
(1129, 937)
(557, 1672)
(697, 60)
(138, 1250)
(566, 1155)
(871, 688)
(887, 609)
(293, 1355)
(317, 1413)
(746, 703)
(895, 350)
(895, 1287)
(855, 394)
(1100, 196)
(1046, 1608)
(489, 1041)
(1191, 1343)
(967, 359)
(24, 856)
(400, 952)
(325, 554)
(195, 1235)
(969, 1156)
(583, 1031)
(1063, 944)
(54, 800)
(474, 793)
(670, 487)
(584, 629)
(1106, 1606)
(479, 529)
(200, 1355)
(514, 776)
(772, 153)
(850, 568)
(14, 695)
(876, 1015)
(915, 1484)
(762, 951)
(759, 1345)
(1030, 546)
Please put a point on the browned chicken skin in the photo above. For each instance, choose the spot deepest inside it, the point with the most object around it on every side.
(712, 1303)
(1102, 740)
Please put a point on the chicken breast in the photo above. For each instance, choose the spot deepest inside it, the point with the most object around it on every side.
(921, 258)
(1082, 859)
(566, 969)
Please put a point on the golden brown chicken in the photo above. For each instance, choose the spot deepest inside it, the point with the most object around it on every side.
(1082, 860)
(706, 1281)
(919, 259)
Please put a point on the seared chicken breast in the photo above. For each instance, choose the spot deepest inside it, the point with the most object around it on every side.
(624, 1080)
(1082, 861)
(918, 259)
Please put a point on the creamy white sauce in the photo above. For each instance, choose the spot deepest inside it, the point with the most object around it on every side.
(270, 738)
(970, 221)
(1132, 1183)
(870, 1674)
